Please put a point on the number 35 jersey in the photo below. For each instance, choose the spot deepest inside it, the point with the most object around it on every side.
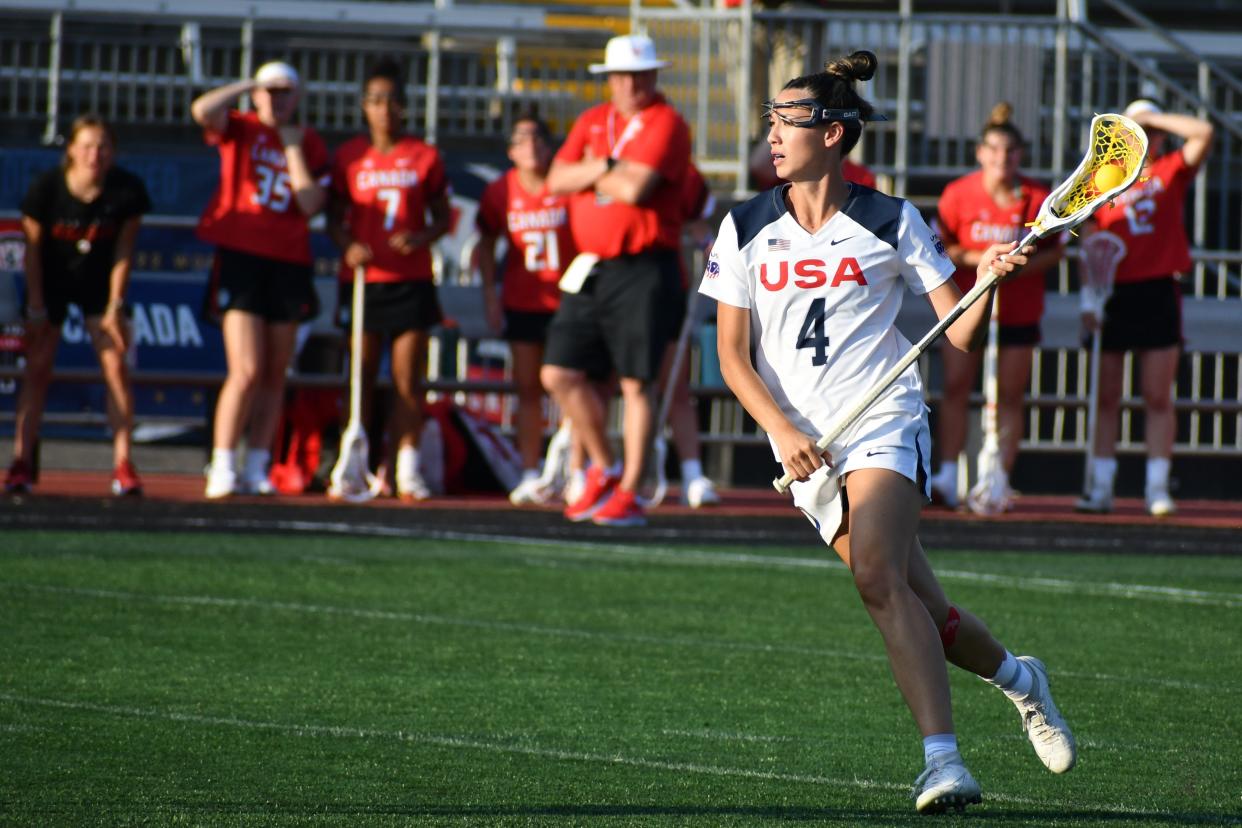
(536, 226)
(386, 193)
(254, 210)
(823, 305)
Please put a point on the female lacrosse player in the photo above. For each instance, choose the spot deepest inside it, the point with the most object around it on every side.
(384, 185)
(535, 224)
(1144, 313)
(80, 221)
(977, 211)
(260, 286)
(810, 276)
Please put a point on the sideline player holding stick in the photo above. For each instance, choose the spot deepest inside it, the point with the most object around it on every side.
(812, 274)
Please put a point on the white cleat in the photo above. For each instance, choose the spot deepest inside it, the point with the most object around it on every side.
(945, 783)
(1098, 502)
(413, 489)
(1159, 504)
(532, 491)
(700, 492)
(221, 482)
(1044, 725)
(258, 485)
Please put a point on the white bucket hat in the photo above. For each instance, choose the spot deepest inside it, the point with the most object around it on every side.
(629, 53)
(277, 74)
(1141, 105)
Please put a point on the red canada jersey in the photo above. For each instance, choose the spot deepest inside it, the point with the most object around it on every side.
(388, 192)
(536, 225)
(656, 137)
(857, 173)
(1148, 218)
(969, 217)
(254, 209)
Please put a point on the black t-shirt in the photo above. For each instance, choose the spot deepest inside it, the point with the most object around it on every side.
(79, 238)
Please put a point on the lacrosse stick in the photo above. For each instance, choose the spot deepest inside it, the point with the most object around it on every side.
(1115, 157)
(1100, 254)
(351, 478)
(990, 495)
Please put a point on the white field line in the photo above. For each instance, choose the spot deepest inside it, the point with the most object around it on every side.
(726, 736)
(538, 629)
(461, 742)
(447, 621)
(680, 556)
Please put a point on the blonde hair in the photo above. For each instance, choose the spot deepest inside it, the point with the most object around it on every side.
(87, 121)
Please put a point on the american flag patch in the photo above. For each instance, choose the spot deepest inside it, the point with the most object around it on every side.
(778, 244)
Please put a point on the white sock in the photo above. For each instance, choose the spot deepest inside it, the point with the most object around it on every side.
(1103, 472)
(938, 744)
(691, 470)
(1158, 474)
(1013, 678)
(530, 474)
(256, 463)
(947, 476)
(407, 463)
(224, 458)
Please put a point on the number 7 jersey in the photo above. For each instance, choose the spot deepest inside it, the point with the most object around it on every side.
(388, 192)
(823, 306)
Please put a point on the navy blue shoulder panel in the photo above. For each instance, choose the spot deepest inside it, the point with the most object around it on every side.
(752, 216)
(879, 213)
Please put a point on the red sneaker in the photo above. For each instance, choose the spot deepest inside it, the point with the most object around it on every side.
(622, 509)
(125, 480)
(599, 484)
(19, 479)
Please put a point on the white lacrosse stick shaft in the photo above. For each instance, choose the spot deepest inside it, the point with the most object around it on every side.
(989, 494)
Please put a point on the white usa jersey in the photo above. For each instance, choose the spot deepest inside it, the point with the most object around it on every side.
(823, 305)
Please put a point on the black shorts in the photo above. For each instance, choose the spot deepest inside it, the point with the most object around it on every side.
(275, 290)
(89, 293)
(1143, 315)
(527, 326)
(391, 308)
(623, 316)
(1012, 335)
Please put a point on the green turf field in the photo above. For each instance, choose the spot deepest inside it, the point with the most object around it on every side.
(291, 680)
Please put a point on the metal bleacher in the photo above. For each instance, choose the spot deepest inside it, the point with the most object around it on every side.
(474, 65)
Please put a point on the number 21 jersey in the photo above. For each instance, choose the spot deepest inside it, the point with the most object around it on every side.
(823, 305)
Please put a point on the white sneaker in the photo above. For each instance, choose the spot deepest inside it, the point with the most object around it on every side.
(1043, 722)
(700, 492)
(945, 783)
(1098, 502)
(1159, 504)
(258, 485)
(413, 488)
(532, 491)
(944, 492)
(221, 482)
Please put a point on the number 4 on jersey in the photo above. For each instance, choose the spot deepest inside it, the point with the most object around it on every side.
(812, 333)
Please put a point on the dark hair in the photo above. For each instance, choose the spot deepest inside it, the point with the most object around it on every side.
(87, 121)
(999, 121)
(833, 88)
(531, 116)
(388, 69)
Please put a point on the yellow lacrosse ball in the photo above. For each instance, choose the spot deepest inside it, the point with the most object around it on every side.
(1108, 177)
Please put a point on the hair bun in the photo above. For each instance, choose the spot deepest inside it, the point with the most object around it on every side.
(859, 66)
(1001, 114)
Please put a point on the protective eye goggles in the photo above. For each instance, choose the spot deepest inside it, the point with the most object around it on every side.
(808, 112)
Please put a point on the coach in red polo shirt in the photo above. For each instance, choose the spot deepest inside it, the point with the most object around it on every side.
(623, 165)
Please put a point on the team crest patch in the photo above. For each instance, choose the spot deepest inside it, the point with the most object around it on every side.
(713, 269)
(778, 244)
(938, 244)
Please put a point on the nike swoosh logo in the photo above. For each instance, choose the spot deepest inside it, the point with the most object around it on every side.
(838, 241)
(874, 452)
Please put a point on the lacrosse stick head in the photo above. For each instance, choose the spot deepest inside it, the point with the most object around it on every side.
(991, 494)
(1099, 256)
(351, 478)
(1116, 142)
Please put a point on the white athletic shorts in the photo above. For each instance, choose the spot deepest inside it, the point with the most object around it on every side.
(885, 440)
